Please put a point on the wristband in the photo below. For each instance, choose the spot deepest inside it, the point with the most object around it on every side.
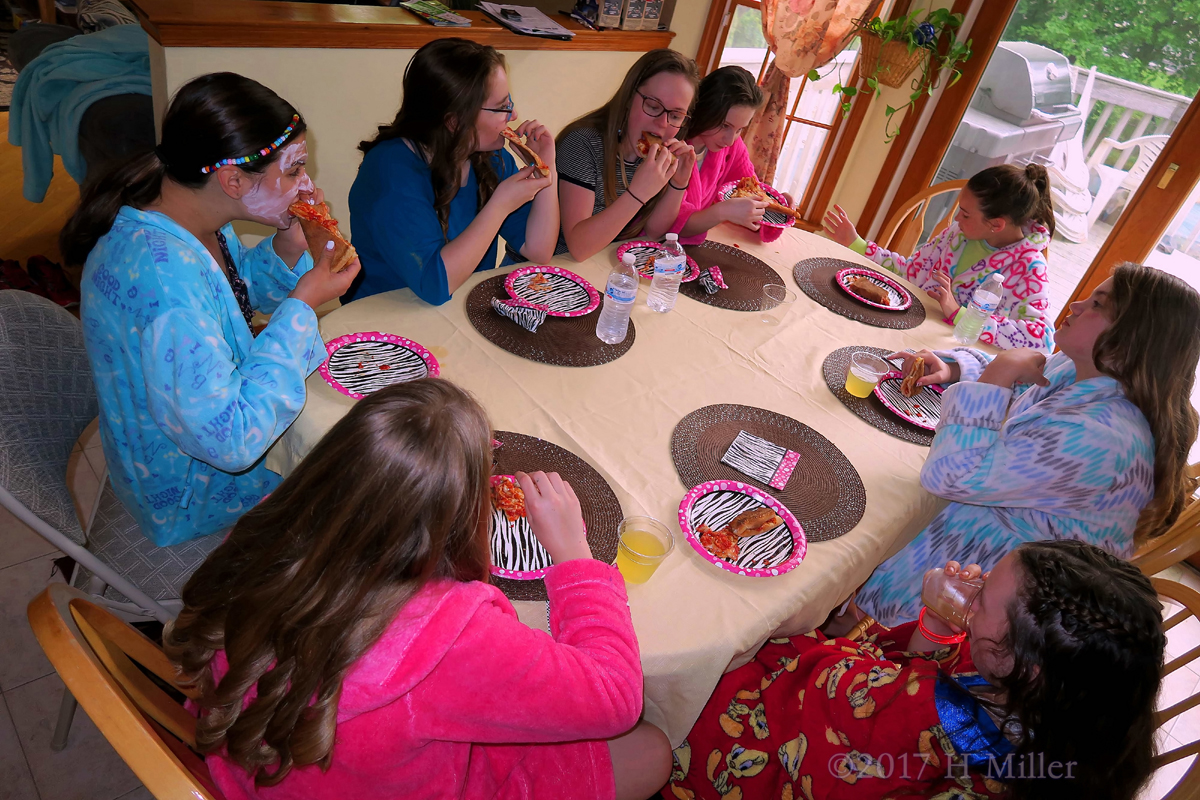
(937, 638)
(950, 319)
(635, 197)
(679, 188)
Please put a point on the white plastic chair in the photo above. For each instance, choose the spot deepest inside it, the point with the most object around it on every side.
(1112, 179)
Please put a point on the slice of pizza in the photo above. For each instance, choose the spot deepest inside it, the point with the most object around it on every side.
(319, 228)
(509, 498)
(518, 143)
(722, 544)
(916, 371)
(750, 187)
(643, 144)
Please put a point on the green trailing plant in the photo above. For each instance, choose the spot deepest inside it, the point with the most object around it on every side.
(935, 33)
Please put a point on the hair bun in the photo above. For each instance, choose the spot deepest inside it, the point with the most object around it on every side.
(1038, 174)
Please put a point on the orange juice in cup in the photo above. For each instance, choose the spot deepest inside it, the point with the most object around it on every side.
(864, 373)
(643, 544)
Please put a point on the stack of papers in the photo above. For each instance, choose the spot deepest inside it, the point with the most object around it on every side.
(525, 19)
(434, 12)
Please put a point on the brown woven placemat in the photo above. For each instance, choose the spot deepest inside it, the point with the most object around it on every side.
(815, 277)
(868, 408)
(562, 341)
(601, 509)
(745, 275)
(825, 492)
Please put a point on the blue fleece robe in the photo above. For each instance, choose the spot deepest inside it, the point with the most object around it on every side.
(189, 399)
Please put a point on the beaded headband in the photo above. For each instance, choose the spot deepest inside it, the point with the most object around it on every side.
(266, 151)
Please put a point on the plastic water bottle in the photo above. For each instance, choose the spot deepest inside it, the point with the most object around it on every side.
(969, 322)
(619, 297)
(668, 274)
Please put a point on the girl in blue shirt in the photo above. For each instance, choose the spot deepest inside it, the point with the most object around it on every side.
(436, 186)
(190, 399)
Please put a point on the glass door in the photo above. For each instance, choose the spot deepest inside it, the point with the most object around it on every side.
(1053, 94)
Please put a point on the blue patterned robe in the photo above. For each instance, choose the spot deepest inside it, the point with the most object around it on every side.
(189, 399)
(1071, 461)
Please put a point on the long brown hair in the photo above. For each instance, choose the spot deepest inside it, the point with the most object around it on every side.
(211, 118)
(1018, 193)
(445, 86)
(612, 118)
(1152, 347)
(394, 495)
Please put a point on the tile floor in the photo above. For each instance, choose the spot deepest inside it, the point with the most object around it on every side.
(89, 769)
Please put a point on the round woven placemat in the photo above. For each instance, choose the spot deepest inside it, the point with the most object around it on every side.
(825, 492)
(562, 341)
(601, 509)
(815, 277)
(868, 408)
(745, 275)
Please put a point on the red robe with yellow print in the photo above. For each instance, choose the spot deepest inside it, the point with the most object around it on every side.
(822, 719)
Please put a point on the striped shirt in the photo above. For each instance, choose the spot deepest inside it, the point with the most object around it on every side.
(580, 160)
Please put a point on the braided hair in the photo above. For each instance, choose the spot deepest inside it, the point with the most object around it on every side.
(1085, 634)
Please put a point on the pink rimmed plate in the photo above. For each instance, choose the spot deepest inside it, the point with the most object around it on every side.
(764, 555)
(924, 409)
(901, 298)
(361, 363)
(772, 219)
(567, 294)
(643, 251)
(516, 552)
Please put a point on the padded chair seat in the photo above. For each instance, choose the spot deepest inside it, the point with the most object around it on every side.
(117, 540)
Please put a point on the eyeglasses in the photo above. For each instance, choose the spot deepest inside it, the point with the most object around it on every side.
(507, 108)
(654, 108)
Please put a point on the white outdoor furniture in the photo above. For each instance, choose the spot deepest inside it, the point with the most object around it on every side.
(1111, 178)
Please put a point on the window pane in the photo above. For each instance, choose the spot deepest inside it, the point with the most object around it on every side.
(745, 45)
(1097, 133)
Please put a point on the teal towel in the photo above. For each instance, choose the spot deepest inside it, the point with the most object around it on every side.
(59, 85)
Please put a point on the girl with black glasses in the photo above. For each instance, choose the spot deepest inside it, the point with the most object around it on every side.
(436, 186)
(609, 190)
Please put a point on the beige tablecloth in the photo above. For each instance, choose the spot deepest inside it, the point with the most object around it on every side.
(693, 620)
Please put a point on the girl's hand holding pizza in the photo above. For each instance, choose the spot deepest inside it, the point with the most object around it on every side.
(539, 140)
(554, 515)
(321, 284)
(519, 188)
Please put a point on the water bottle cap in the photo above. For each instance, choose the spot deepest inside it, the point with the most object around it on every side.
(629, 260)
(672, 237)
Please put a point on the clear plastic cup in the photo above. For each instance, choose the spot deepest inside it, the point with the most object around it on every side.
(644, 543)
(864, 372)
(776, 301)
(950, 597)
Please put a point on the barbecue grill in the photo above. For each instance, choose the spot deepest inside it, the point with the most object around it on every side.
(1020, 110)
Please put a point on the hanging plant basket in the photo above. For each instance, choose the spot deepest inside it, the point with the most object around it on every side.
(893, 61)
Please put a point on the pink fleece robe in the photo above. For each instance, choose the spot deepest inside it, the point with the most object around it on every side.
(719, 168)
(459, 699)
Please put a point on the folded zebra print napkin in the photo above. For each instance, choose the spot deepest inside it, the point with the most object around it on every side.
(762, 460)
(528, 315)
(712, 281)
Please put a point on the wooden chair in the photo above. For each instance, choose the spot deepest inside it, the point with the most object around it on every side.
(1180, 541)
(94, 653)
(902, 231)
(1188, 787)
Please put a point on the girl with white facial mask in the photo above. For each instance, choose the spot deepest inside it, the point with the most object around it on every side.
(190, 399)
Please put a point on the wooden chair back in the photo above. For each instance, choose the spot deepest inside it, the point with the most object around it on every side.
(98, 656)
(902, 231)
(1180, 541)
(1188, 787)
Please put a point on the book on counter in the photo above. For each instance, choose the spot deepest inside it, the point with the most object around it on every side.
(435, 13)
(526, 20)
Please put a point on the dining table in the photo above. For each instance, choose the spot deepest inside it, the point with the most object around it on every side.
(693, 620)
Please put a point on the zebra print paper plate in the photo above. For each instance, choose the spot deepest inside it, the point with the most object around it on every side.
(362, 363)
(567, 294)
(923, 409)
(772, 219)
(642, 253)
(897, 294)
(516, 552)
(763, 555)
